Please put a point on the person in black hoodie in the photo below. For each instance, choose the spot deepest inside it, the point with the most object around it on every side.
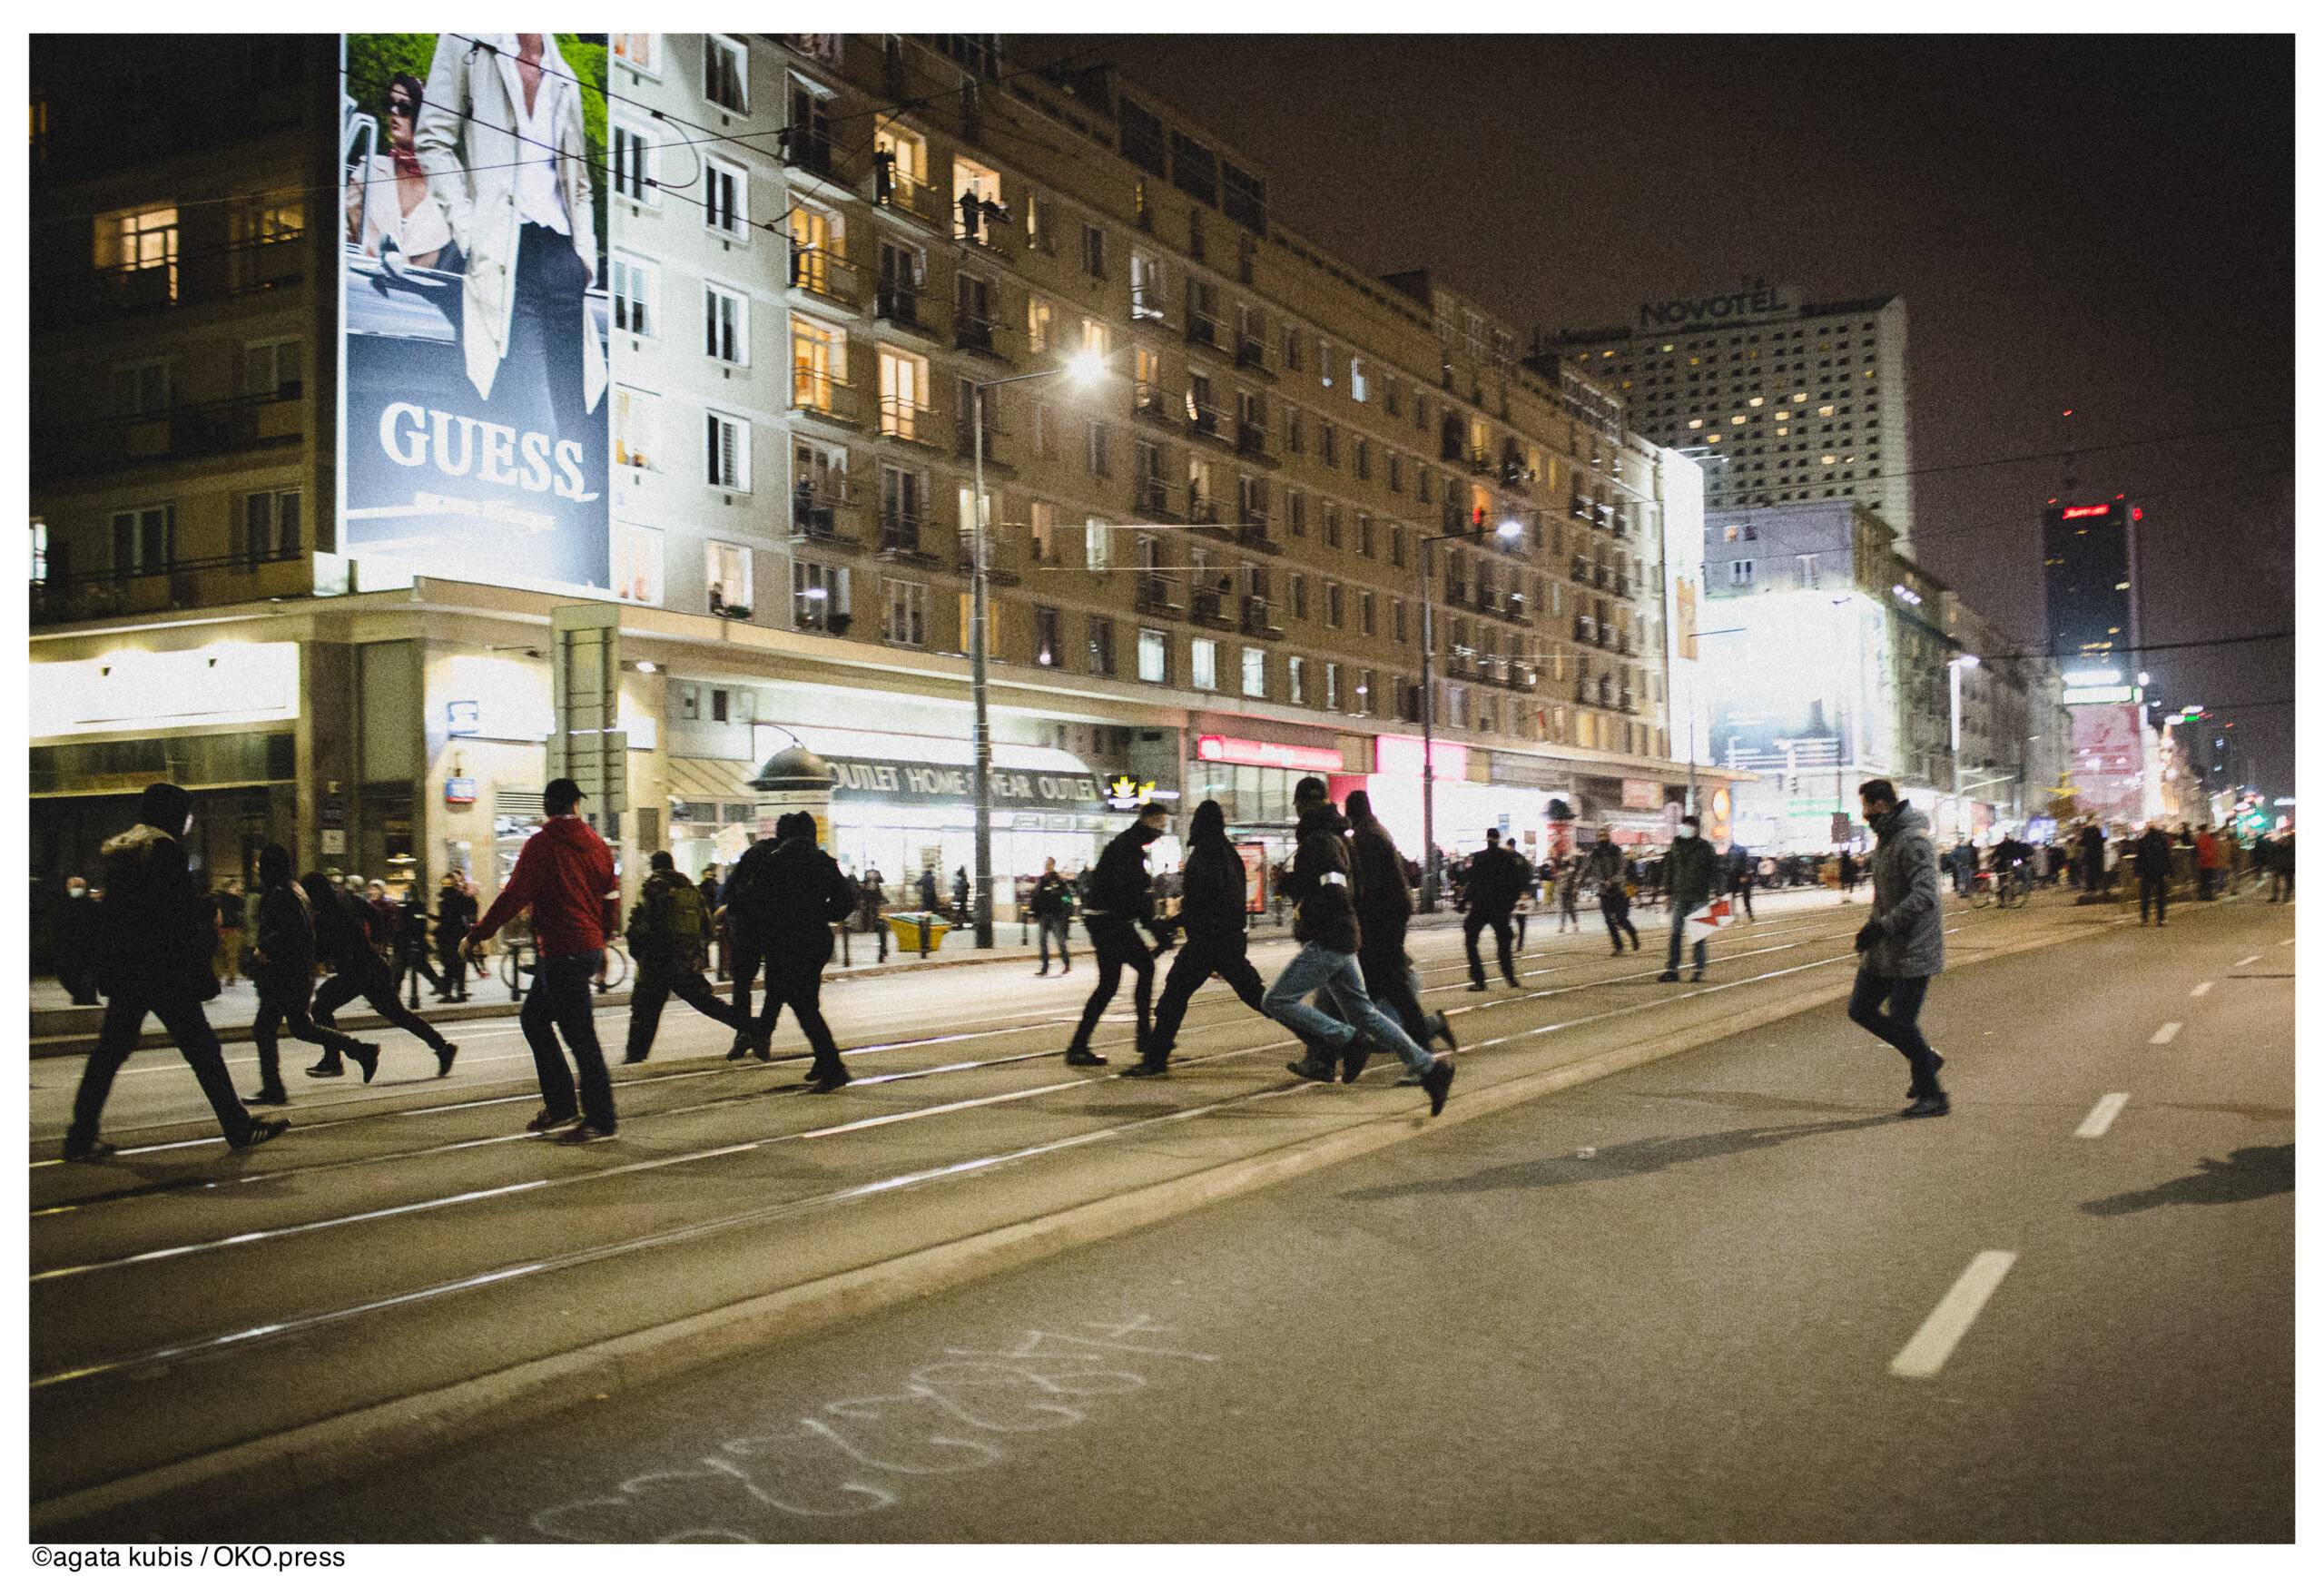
(1498, 878)
(282, 967)
(791, 899)
(2154, 850)
(155, 936)
(1120, 899)
(1384, 910)
(1319, 881)
(1212, 914)
(454, 913)
(342, 941)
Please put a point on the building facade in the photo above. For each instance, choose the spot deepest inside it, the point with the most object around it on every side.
(826, 257)
(1788, 401)
(2089, 585)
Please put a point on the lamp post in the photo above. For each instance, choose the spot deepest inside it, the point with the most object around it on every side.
(1952, 676)
(1430, 878)
(1083, 367)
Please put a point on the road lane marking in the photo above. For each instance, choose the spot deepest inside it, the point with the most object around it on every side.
(2287, 941)
(2247, 962)
(2101, 1116)
(1939, 1334)
(2203, 990)
(2167, 1034)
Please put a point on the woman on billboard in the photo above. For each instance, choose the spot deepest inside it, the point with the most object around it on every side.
(389, 205)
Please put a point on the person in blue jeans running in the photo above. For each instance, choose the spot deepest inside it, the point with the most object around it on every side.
(1321, 883)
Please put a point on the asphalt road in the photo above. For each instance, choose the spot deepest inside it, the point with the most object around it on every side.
(1664, 1306)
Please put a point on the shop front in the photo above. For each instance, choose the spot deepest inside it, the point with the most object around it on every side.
(1253, 778)
(1468, 801)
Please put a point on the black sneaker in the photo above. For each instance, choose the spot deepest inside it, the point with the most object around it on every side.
(585, 1132)
(94, 1149)
(1934, 1104)
(1438, 1082)
(763, 1050)
(1084, 1060)
(1353, 1057)
(328, 1067)
(1477, 985)
(1697, 977)
(1321, 1073)
(1923, 1082)
(1150, 1067)
(444, 1055)
(265, 1128)
(1515, 983)
(741, 1048)
(1668, 977)
(544, 1119)
(633, 1058)
(367, 1057)
(278, 1095)
(829, 1079)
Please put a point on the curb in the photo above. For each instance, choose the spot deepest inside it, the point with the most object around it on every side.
(314, 1456)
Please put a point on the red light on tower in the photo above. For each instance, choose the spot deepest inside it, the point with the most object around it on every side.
(2067, 411)
(2137, 513)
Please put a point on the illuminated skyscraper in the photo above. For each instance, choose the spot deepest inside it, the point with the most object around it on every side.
(2089, 583)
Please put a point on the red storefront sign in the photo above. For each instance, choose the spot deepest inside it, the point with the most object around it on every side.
(1230, 751)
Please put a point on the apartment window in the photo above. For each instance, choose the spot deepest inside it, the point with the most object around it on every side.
(1359, 386)
(1097, 544)
(641, 52)
(1101, 646)
(1331, 686)
(1365, 542)
(139, 246)
(818, 596)
(726, 192)
(145, 541)
(1395, 472)
(1297, 505)
(726, 73)
(1204, 662)
(1100, 458)
(635, 286)
(728, 452)
(1367, 619)
(1334, 604)
(634, 164)
(1397, 546)
(1364, 459)
(271, 523)
(1097, 338)
(721, 706)
(1397, 623)
(727, 325)
(904, 393)
(40, 551)
(1046, 636)
(907, 618)
(1042, 529)
(1328, 444)
(271, 371)
(1148, 297)
(1154, 657)
(818, 364)
(1295, 681)
(1041, 319)
(727, 567)
(1093, 250)
(1740, 572)
(1330, 525)
(637, 563)
(1255, 673)
(981, 188)
(634, 438)
(140, 388)
(1298, 595)
(1293, 360)
(1295, 430)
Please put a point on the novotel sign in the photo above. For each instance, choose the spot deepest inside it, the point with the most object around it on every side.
(1229, 751)
(1736, 307)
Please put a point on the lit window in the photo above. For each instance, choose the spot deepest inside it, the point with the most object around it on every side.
(1205, 664)
(727, 566)
(637, 563)
(1255, 673)
(138, 247)
(1154, 657)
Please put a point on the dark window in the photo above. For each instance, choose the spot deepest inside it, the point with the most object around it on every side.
(1245, 197)
(1142, 143)
(1194, 167)
(718, 705)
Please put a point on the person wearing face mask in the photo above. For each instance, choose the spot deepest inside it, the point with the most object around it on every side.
(1120, 899)
(1903, 944)
(1690, 872)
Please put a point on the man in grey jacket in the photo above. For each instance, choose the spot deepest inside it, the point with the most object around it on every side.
(1903, 943)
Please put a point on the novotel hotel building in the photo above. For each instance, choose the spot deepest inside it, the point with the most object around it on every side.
(1785, 401)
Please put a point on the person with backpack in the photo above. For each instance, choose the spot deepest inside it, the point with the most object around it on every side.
(1212, 916)
(282, 967)
(154, 937)
(343, 940)
(791, 895)
(1051, 906)
(669, 936)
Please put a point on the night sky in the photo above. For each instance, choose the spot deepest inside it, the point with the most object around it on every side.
(2103, 224)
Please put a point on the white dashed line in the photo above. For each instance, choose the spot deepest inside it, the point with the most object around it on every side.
(2201, 990)
(1932, 1343)
(2164, 1036)
(2101, 1116)
(2243, 963)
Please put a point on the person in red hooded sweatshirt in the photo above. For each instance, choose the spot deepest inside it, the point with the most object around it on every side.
(563, 875)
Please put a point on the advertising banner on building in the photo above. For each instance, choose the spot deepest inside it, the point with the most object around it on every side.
(473, 411)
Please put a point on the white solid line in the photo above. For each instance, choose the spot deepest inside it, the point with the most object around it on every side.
(1939, 1334)
(2287, 941)
(2101, 1116)
(2164, 1036)
(2203, 990)
(2247, 962)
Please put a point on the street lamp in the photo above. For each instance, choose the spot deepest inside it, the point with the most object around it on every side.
(1509, 530)
(1953, 670)
(1082, 369)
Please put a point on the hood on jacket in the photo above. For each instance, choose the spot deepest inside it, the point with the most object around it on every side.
(273, 866)
(165, 805)
(1322, 818)
(1210, 821)
(137, 843)
(1904, 819)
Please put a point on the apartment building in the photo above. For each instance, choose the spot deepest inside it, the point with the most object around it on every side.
(825, 256)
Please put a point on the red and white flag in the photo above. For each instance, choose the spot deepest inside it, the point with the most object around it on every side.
(1702, 922)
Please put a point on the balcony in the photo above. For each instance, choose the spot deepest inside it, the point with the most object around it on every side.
(1581, 569)
(1251, 356)
(275, 263)
(898, 306)
(1622, 584)
(1251, 443)
(1251, 530)
(964, 444)
(825, 276)
(907, 421)
(1584, 630)
(1210, 608)
(1155, 499)
(1482, 463)
(180, 584)
(814, 516)
(1152, 405)
(980, 335)
(1202, 513)
(824, 397)
(900, 532)
(1148, 304)
(985, 233)
(1203, 422)
(1514, 476)
(183, 432)
(1600, 577)
(1154, 594)
(1582, 510)
(1258, 619)
(809, 150)
(994, 574)
(1201, 332)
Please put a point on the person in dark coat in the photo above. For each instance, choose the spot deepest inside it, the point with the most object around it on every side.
(789, 904)
(2093, 859)
(1498, 878)
(871, 898)
(927, 889)
(1384, 910)
(454, 913)
(1610, 871)
(669, 936)
(1903, 942)
(1051, 906)
(343, 940)
(234, 913)
(412, 949)
(76, 943)
(1212, 915)
(2154, 851)
(1321, 881)
(713, 897)
(153, 936)
(1119, 899)
(1848, 876)
(1691, 869)
(961, 896)
(282, 967)
(1742, 875)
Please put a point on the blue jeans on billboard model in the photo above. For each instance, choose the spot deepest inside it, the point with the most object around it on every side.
(539, 382)
(561, 1000)
(1336, 978)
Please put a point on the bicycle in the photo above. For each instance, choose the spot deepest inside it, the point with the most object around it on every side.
(2009, 889)
(612, 972)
